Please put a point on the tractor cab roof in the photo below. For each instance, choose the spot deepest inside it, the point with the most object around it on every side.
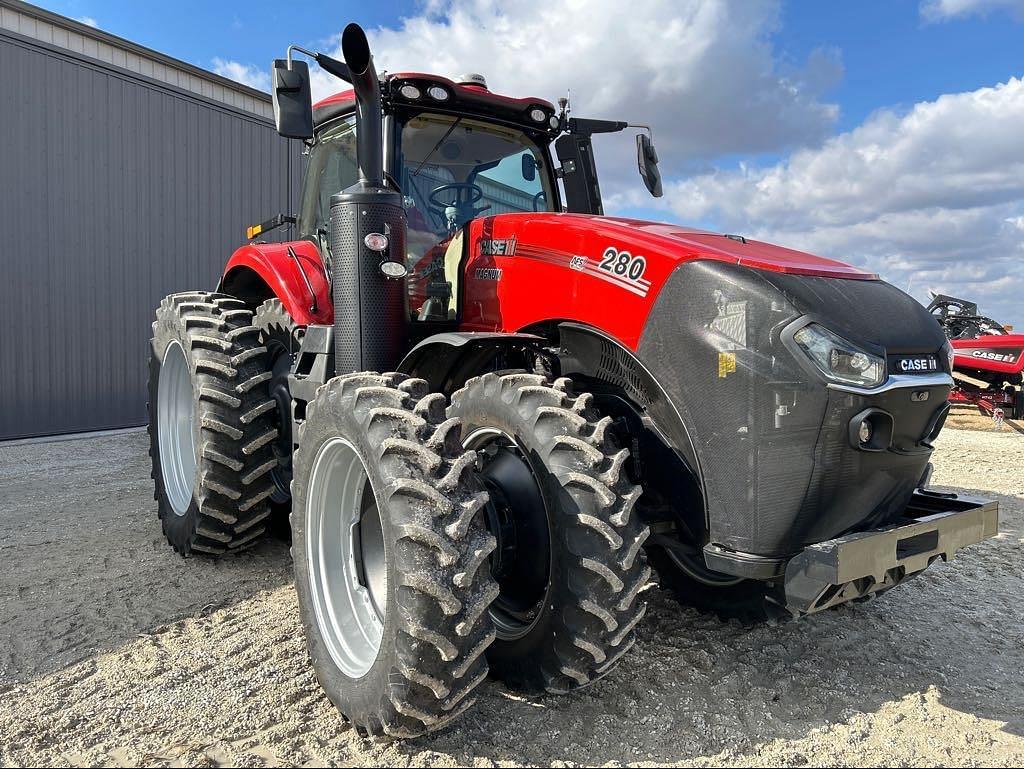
(437, 93)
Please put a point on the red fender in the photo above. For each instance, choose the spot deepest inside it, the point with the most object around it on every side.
(284, 277)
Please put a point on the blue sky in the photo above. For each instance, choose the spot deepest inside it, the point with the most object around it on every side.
(880, 133)
(890, 53)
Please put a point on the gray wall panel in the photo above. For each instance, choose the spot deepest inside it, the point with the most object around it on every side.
(114, 191)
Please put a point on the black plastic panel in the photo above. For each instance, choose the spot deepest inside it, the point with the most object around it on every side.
(772, 439)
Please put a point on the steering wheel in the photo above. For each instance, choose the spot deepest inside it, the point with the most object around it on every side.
(464, 195)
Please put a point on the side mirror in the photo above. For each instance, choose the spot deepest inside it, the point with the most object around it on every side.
(647, 160)
(293, 103)
(529, 167)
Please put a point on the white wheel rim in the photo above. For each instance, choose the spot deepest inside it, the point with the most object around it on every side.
(345, 558)
(175, 421)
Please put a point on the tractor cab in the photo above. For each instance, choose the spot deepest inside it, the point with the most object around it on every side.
(455, 152)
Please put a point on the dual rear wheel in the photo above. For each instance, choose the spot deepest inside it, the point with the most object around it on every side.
(432, 542)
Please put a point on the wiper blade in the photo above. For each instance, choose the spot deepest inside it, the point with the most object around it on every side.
(439, 143)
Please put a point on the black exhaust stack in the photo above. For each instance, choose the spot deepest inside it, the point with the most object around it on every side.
(369, 307)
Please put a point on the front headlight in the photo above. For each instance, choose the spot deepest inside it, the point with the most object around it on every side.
(839, 360)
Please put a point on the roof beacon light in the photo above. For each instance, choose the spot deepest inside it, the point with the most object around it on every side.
(473, 78)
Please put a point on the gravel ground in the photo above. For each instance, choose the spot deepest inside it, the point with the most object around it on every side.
(114, 651)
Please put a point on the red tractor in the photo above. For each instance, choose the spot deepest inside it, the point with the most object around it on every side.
(569, 398)
(988, 362)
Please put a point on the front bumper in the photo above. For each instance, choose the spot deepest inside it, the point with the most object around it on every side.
(858, 565)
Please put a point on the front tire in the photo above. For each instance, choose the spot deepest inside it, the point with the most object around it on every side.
(581, 556)
(390, 554)
(209, 425)
(744, 600)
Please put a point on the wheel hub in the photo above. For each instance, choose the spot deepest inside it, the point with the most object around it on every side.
(346, 558)
(175, 428)
(518, 518)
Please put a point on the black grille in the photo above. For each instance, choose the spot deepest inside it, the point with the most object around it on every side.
(619, 369)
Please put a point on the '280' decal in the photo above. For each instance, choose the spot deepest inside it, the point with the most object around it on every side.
(622, 269)
(623, 263)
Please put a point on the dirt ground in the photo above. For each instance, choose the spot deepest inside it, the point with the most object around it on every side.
(115, 651)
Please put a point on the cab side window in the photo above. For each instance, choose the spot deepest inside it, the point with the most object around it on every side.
(332, 167)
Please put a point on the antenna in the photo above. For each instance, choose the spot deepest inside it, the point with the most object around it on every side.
(563, 105)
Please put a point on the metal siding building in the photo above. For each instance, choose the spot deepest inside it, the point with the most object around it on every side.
(124, 176)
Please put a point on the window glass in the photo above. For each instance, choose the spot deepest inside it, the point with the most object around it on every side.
(331, 168)
(452, 170)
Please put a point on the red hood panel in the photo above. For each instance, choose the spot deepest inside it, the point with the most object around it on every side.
(583, 234)
(606, 272)
(689, 244)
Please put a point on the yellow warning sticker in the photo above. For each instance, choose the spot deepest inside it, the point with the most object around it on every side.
(726, 364)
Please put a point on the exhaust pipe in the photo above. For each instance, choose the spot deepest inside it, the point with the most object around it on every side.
(369, 134)
(370, 322)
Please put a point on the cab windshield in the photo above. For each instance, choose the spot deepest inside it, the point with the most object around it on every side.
(453, 169)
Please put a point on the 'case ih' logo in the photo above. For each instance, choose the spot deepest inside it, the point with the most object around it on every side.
(498, 247)
(996, 356)
(918, 364)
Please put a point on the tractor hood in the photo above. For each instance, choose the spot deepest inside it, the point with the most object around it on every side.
(604, 262)
(686, 244)
(671, 244)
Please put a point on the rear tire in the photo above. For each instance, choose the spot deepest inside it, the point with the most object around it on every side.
(398, 627)
(583, 617)
(281, 336)
(209, 423)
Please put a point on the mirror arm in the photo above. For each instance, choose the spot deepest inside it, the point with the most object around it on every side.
(643, 127)
(327, 63)
(300, 49)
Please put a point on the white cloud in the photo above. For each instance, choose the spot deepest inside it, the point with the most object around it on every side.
(247, 74)
(930, 199)
(702, 72)
(943, 10)
(89, 21)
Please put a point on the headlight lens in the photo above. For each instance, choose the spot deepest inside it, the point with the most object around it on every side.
(838, 359)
